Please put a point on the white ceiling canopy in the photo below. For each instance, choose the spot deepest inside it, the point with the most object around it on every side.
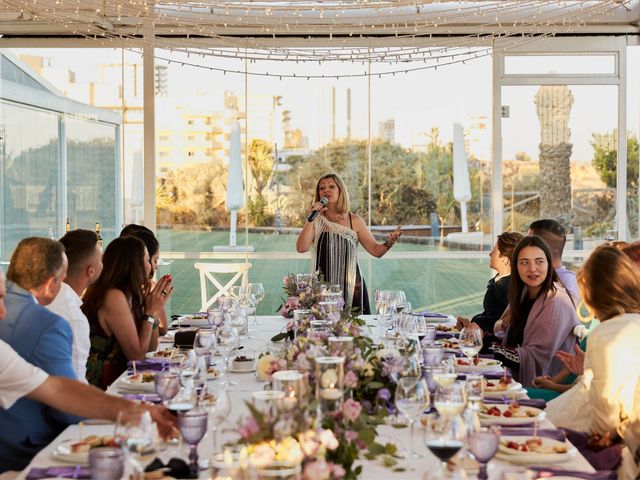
(316, 30)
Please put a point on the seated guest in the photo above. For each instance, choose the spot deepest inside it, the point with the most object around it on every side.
(496, 297)
(540, 318)
(85, 264)
(555, 237)
(19, 378)
(122, 309)
(603, 401)
(153, 247)
(42, 338)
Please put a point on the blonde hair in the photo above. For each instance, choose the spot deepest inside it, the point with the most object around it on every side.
(609, 283)
(344, 204)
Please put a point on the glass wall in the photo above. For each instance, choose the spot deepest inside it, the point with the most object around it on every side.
(29, 172)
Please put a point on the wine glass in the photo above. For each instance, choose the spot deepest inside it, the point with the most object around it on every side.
(167, 384)
(193, 426)
(411, 399)
(218, 404)
(450, 400)
(444, 438)
(470, 341)
(448, 373)
(205, 338)
(227, 340)
(256, 291)
(399, 298)
(135, 434)
(483, 444)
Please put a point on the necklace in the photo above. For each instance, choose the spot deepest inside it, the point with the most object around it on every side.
(336, 218)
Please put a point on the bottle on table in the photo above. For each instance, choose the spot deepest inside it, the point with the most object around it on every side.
(67, 227)
(98, 235)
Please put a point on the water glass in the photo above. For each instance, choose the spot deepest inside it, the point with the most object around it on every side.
(432, 354)
(167, 384)
(106, 463)
(411, 399)
(256, 292)
(215, 317)
(483, 445)
(470, 341)
(193, 426)
(135, 433)
(474, 386)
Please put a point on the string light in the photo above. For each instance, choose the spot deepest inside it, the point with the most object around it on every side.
(216, 29)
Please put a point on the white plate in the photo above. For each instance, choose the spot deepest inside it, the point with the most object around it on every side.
(136, 386)
(236, 370)
(63, 453)
(484, 365)
(530, 458)
(191, 320)
(513, 387)
(490, 419)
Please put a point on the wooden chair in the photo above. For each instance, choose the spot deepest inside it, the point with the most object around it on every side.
(208, 271)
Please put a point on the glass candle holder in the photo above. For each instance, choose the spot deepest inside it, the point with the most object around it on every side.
(299, 319)
(230, 464)
(330, 310)
(432, 354)
(330, 379)
(278, 471)
(291, 382)
(304, 278)
(340, 346)
(106, 463)
(320, 326)
(266, 401)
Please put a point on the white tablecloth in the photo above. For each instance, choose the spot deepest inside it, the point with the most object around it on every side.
(247, 383)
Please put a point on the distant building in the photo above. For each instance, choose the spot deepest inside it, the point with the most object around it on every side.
(387, 130)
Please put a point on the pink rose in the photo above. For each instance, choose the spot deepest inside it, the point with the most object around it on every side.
(318, 470)
(350, 379)
(350, 435)
(250, 427)
(351, 409)
(337, 471)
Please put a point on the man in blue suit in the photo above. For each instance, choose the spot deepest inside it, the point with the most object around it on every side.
(38, 267)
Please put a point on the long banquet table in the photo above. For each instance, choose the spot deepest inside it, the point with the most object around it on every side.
(247, 383)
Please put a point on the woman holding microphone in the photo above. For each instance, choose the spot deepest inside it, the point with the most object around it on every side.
(333, 233)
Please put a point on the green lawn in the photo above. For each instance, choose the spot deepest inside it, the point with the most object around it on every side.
(450, 285)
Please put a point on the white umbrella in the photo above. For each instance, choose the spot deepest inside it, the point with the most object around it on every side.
(235, 189)
(461, 185)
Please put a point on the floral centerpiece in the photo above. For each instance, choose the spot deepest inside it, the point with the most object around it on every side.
(326, 448)
(302, 291)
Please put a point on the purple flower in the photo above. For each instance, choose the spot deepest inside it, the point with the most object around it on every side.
(384, 394)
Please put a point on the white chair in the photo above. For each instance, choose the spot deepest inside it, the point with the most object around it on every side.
(207, 271)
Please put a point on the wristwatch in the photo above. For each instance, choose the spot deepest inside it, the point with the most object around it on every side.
(153, 321)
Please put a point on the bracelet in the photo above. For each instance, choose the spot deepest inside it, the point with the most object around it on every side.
(387, 243)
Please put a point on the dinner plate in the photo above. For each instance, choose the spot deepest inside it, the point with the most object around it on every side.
(191, 320)
(530, 458)
(137, 386)
(63, 453)
(242, 370)
(497, 392)
(536, 414)
(483, 365)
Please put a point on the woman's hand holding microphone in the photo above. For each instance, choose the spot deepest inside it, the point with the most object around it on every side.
(318, 207)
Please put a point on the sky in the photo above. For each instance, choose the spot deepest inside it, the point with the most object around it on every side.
(417, 101)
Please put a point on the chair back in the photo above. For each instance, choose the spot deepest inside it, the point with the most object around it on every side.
(211, 272)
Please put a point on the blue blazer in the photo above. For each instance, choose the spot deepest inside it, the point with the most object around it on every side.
(44, 339)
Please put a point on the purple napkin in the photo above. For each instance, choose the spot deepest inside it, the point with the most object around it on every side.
(527, 402)
(428, 314)
(446, 335)
(552, 433)
(606, 459)
(63, 472)
(546, 472)
(145, 397)
(150, 364)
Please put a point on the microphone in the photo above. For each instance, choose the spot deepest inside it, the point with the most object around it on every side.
(314, 214)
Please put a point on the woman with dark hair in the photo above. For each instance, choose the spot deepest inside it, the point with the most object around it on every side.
(122, 309)
(541, 315)
(153, 247)
(496, 298)
(333, 234)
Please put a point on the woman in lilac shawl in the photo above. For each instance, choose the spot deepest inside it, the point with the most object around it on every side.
(541, 315)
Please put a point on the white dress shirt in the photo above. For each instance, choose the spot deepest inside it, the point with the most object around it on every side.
(17, 376)
(67, 304)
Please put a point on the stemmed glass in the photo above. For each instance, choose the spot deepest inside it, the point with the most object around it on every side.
(204, 339)
(470, 341)
(399, 298)
(193, 426)
(448, 373)
(411, 399)
(445, 438)
(450, 400)
(483, 444)
(167, 384)
(135, 434)
(218, 404)
(227, 340)
(256, 293)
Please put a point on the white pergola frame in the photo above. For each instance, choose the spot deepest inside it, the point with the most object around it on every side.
(596, 45)
(615, 46)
